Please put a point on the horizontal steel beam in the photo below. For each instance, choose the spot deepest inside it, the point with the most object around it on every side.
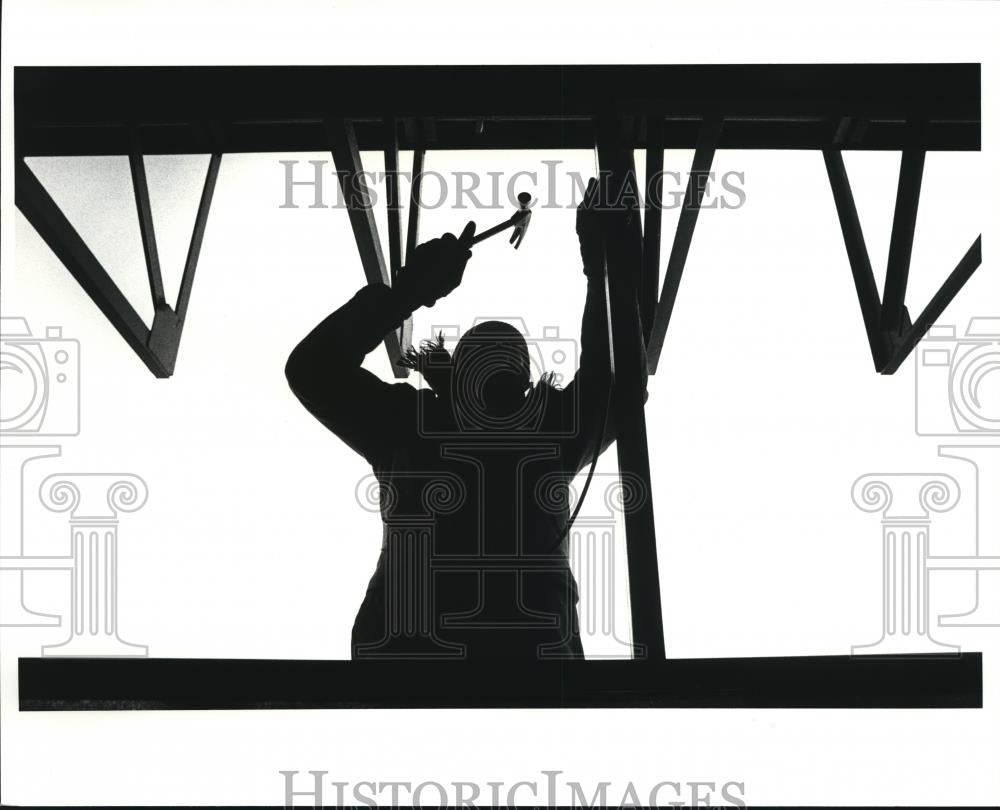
(81, 110)
(924, 91)
(833, 681)
(462, 134)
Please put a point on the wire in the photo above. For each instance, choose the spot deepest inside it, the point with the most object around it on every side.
(590, 473)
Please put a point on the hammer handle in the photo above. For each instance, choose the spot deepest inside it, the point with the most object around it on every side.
(479, 237)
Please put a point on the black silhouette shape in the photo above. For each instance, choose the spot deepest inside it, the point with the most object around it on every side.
(474, 557)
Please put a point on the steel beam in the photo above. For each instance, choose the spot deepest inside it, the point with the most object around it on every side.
(891, 335)
(413, 225)
(156, 346)
(701, 165)
(857, 255)
(168, 322)
(350, 173)
(48, 220)
(393, 209)
(67, 684)
(956, 280)
(552, 132)
(79, 110)
(904, 223)
(413, 221)
(652, 225)
(197, 235)
(623, 265)
(391, 154)
(146, 230)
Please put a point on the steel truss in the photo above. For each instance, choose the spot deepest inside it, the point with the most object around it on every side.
(830, 108)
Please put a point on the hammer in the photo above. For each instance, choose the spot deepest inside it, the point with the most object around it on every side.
(518, 221)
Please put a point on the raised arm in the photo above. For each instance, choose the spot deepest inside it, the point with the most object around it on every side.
(324, 370)
(592, 390)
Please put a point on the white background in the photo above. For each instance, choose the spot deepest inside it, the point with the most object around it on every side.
(764, 411)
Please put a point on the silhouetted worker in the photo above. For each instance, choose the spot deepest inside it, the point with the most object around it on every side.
(472, 471)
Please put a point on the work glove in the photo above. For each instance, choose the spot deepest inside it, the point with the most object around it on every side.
(590, 229)
(597, 220)
(435, 269)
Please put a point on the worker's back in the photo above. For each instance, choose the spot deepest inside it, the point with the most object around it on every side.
(473, 560)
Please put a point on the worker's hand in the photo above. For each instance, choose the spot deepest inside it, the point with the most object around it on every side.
(436, 268)
(590, 229)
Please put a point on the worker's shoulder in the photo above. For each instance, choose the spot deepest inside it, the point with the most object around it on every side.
(404, 388)
(550, 393)
(405, 394)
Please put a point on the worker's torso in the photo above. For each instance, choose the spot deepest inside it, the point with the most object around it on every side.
(474, 553)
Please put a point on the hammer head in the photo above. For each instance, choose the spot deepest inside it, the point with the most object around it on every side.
(523, 216)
